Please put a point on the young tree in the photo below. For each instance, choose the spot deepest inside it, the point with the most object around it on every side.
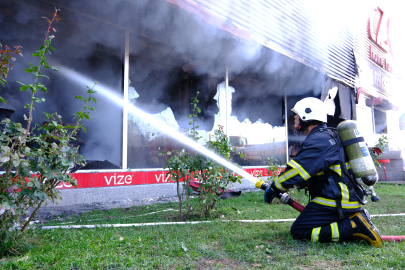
(35, 159)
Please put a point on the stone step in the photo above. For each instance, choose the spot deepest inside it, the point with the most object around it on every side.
(394, 165)
(391, 155)
(391, 175)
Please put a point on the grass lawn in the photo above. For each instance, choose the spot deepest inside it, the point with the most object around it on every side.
(216, 245)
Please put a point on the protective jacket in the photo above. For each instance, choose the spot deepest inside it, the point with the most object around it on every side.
(317, 166)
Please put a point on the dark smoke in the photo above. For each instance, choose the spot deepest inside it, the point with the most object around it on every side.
(170, 50)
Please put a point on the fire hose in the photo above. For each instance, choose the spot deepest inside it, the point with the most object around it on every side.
(286, 199)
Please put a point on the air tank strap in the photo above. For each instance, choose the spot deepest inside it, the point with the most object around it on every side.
(352, 141)
(348, 175)
(337, 193)
(334, 134)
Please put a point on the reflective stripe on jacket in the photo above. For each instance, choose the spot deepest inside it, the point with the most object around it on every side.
(319, 153)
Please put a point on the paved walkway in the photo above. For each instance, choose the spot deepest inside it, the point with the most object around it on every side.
(47, 213)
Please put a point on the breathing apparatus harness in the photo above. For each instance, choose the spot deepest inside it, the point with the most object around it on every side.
(356, 189)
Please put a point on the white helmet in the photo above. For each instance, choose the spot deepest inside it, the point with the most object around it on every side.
(310, 109)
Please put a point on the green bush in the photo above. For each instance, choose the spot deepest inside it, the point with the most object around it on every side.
(37, 158)
(213, 178)
(382, 143)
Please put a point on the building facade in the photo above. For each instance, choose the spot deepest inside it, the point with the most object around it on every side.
(379, 90)
(248, 63)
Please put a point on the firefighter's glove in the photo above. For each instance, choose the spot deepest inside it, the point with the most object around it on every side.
(270, 194)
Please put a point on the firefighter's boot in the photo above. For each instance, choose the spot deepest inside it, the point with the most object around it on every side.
(365, 229)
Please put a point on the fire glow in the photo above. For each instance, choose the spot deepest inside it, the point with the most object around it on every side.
(106, 92)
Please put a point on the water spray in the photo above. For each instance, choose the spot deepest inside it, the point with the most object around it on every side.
(162, 127)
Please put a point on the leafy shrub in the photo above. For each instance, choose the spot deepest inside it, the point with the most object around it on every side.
(213, 178)
(6, 55)
(274, 168)
(382, 143)
(35, 159)
(180, 164)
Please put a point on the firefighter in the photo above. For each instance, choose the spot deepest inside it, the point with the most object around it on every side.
(335, 211)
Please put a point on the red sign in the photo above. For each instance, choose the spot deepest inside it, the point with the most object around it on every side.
(381, 38)
(381, 61)
(109, 179)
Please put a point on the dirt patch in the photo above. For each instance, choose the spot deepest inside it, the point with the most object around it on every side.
(221, 264)
(322, 265)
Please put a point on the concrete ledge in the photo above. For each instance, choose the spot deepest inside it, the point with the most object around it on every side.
(126, 196)
(394, 165)
(246, 184)
(391, 155)
(76, 201)
(120, 193)
(392, 175)
(394, 169)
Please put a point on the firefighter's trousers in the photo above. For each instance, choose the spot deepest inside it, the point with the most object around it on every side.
(318, 223)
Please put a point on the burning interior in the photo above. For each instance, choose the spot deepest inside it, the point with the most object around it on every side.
(157, 56)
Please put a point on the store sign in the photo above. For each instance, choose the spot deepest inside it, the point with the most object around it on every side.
(381, 39)
(381, 36)
(370, 75)
(112, 179)
(380, 80)
(381, 61)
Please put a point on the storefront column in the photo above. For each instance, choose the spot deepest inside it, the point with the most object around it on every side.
(226, 98)
(393, 130)
(365, 120)
(373, 118)
(286, 125)
(125, 109)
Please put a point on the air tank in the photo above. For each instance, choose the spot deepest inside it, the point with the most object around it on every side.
(357, 152)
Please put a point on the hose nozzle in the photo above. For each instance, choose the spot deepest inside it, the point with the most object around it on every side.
(261, 185)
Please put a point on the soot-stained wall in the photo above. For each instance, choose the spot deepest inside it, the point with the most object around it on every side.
(173, 55)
